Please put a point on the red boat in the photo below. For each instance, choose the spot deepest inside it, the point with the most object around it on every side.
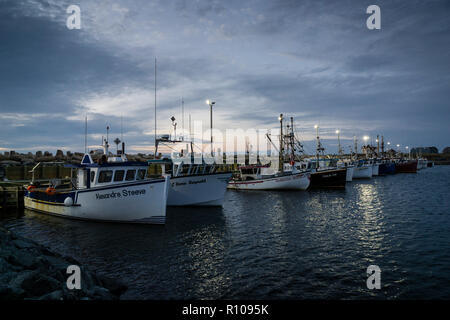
(406, 167)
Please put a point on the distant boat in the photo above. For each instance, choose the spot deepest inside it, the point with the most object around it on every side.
(362, 170)
(258, 177)
(421, 163)
(347, 163)
(264, 177)
(325, 173)
(406, 166)
(375, 168)
(114, 189)
(386, 167)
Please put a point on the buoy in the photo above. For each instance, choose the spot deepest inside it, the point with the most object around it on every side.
(31, 187)
(68, 202)
(50, 191)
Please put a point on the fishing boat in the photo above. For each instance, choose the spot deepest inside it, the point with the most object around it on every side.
(324, 172)
(406, 166)
(194, 184)
(259, 177)
(421, 163)
(349, 166)
(194, 180)
(375, 167)
(362, 170)
(113, 189)
(265, 177)
(386, 167)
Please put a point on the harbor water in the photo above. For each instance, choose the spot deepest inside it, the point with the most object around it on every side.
(275, 245)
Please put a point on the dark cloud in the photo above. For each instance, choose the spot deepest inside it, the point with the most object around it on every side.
(312, 59)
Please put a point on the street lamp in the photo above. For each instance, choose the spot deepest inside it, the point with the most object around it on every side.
(211, 103)
(339, 142)
(281, 153)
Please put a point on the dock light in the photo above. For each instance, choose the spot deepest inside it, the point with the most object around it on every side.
(337, 131)
(366, 138)
(398, 146)
(389, 143)
(316, 126)
(280, 117)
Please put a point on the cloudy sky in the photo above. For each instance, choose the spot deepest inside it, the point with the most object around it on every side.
(314, 60)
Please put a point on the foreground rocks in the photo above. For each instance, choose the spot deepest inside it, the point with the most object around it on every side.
(30, 271)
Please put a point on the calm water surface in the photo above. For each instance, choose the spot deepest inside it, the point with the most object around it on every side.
(275, 245)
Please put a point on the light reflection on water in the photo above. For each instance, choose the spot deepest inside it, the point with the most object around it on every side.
(276, 245)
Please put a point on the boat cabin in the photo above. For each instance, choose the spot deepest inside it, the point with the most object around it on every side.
(91, 175)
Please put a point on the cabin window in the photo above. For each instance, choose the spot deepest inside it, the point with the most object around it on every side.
(141, 174)
(105, 176)
(118, 175)
(92, 176)
(130, 175)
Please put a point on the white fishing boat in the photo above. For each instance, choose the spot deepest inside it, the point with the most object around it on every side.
(194, 180)
(375, 168)
(194, 184)
(257, 177)
(286, 176)
(114, 189)
(362, 170)
(349, 166)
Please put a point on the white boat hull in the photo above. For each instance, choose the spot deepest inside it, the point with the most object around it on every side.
(350, 170)
(198, 190)
(364, 172)
(375, 169)
(139, 202)
(298, 181)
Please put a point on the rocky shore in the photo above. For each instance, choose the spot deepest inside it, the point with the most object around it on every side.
(31, 271)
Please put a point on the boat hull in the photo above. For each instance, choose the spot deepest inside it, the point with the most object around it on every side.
(406, 167)
(139, 202)
(198, 190)
(386, 168)
(363, 172)
(298, 181)
(349, 176)
(328, 179)
(375, 169)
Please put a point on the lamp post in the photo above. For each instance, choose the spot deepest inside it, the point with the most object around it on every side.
(339, 142)
(366, 138)
(211, 103)
(408, 151)
(280, 157)
(316, 126)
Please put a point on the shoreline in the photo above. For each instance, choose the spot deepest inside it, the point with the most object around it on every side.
(30, 271)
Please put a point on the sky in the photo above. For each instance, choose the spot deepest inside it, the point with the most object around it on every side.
(313, 60)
